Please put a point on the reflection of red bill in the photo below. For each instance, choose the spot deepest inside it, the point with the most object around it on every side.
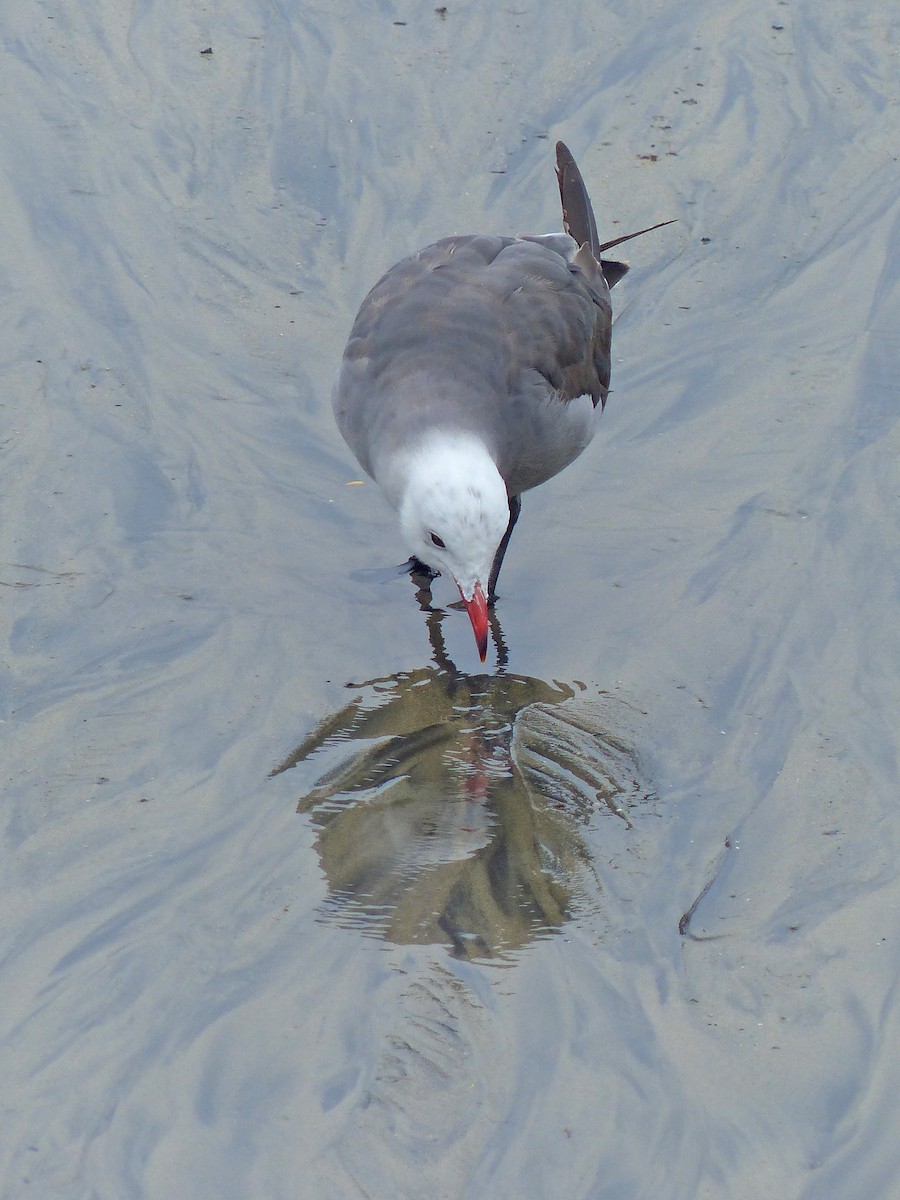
(478, 615)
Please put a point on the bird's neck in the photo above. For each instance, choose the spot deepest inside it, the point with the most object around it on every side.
(451, 486)
(460, 459)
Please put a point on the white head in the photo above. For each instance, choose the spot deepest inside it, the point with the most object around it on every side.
(454, 511)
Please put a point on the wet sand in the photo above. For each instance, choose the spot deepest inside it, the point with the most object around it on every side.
(300, 900)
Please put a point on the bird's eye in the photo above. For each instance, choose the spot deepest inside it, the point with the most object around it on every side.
(436, 541)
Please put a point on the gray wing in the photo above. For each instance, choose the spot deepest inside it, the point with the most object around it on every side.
(561, 314)
(465, 329)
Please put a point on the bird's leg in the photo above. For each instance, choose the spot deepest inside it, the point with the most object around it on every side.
(515, 507)
(436, 638)
(499, 642)
(421, 576)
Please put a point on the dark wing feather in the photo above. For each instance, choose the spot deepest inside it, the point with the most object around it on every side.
(579, 221)
(578, 214)
(558, 317)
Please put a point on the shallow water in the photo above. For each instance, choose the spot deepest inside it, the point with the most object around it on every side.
(458, 820)
(618, 913)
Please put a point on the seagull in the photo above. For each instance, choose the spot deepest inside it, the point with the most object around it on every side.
(475, 370)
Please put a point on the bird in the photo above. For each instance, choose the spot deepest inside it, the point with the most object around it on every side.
(475, 370)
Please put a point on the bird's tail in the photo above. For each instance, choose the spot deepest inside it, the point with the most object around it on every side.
(578, 216)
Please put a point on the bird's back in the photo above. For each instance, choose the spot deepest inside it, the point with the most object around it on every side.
(507, 338)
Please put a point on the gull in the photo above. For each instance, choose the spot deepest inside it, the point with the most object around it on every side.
(477, 369)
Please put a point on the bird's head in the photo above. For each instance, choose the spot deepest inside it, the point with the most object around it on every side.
(454, 512)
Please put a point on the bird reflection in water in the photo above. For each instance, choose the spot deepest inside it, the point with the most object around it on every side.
(451, 806)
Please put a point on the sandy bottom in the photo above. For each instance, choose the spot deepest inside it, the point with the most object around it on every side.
(299, 900)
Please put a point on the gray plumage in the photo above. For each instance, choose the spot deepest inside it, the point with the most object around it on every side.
(479, 333)
(504, 340)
